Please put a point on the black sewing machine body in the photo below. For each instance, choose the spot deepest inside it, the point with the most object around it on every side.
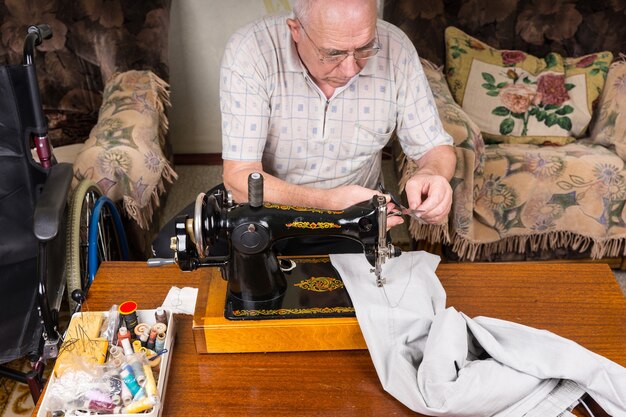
(249, 231)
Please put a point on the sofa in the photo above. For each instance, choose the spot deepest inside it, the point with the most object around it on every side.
(103, 83)
(533, 94)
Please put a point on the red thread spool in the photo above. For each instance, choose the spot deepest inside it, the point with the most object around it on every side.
(128, 310)
(123, 333)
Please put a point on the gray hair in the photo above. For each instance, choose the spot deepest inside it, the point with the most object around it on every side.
(302, 10)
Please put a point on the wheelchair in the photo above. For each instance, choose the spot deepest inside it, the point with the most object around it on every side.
(53, 239)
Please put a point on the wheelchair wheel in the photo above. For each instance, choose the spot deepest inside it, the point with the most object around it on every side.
(108, 241)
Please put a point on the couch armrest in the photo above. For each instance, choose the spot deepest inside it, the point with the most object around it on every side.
(124, 154)
(470, 151)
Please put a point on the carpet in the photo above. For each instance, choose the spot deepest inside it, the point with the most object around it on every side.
(15, 398)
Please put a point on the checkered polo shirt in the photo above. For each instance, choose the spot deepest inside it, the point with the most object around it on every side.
(272, 111)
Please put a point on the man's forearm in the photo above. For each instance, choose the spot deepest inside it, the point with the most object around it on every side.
(274, 189)
(440, 160)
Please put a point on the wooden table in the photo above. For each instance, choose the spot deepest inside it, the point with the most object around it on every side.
(581, 302)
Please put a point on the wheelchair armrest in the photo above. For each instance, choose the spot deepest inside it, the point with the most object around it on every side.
(51, 205)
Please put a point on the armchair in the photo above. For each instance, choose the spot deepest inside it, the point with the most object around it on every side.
(103, 76)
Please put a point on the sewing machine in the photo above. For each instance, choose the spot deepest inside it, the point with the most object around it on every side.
(261, 284)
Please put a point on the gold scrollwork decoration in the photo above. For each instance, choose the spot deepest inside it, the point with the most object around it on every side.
(301, 209)
(313, 225)
(320, 284)
(317, 260)
(293, 311)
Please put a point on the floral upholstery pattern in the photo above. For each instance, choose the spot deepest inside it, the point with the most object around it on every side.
(123, 154)
(510, 199)
(524, 197)
(92, 41)
(537, 198)
(517, 98)
(609, 128)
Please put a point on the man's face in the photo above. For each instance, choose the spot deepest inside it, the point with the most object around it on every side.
(324, 40)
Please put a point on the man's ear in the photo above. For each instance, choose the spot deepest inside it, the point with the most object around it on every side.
(294, 28)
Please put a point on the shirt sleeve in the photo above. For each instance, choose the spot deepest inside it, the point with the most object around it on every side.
(419, 127)
(244, 101)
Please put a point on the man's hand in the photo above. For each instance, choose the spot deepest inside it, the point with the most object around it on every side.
(429, 188)
(430, 193)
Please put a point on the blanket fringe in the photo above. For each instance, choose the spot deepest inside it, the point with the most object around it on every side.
(143, 215)
(472, 251)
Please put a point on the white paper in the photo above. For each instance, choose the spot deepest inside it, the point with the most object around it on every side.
(181, 300)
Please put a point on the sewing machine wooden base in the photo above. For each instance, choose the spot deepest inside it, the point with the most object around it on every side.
(288, 329)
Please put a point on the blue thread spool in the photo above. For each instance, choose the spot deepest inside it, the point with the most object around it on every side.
(130, 381)
(159, 345)
(137, 367)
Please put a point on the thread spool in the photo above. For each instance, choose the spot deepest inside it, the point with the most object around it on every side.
(97, 395)
(116, 352)
(137, 346)
(137, 366)
(122, 334)
(160, 315)
(255, 190)
(127, 397)
(101, 407)
(160, 327)
(128, 310)
(151, 388)
(151, 339)
(159, 345)
(140, 405)
(128, 349)
(115, 388)
(130, 381)
(142, 328)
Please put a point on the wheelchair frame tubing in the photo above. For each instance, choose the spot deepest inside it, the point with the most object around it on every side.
(93, 235)
(50, 326)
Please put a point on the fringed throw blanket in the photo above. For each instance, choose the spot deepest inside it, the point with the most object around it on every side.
(517, 198)
(124, 152)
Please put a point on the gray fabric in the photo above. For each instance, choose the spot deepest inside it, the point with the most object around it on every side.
(437, 361)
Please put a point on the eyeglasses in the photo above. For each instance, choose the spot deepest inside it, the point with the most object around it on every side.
(335, 57)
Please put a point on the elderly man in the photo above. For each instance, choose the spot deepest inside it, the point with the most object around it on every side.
(311, 100)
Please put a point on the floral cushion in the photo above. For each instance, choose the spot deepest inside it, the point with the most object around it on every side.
(124, 152)
(518, 98)
(610, 125)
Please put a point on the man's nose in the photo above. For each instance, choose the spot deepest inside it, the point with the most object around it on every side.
(350, 66)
